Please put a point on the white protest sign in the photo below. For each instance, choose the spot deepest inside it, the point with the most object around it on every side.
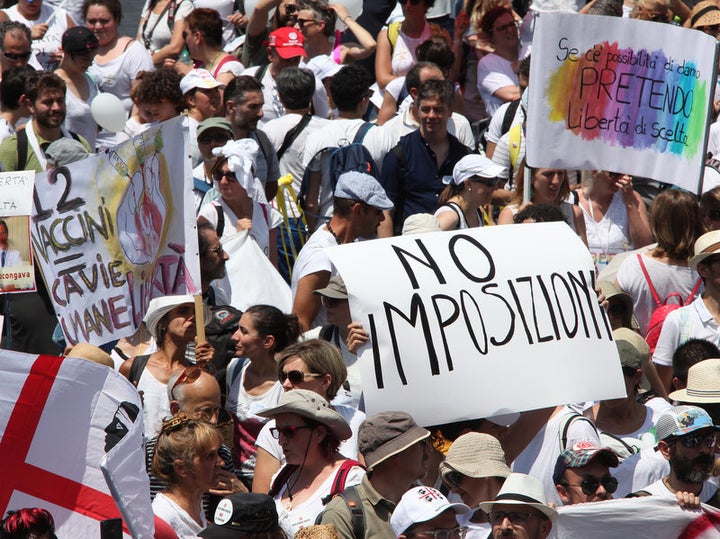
(115, 230)
(621, 95)
(479, 322)
(16, 261)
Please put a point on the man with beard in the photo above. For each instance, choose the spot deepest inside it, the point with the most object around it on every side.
(687, 440)
(45, 97)
(212, 263)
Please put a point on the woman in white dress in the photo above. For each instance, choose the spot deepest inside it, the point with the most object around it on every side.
(186, 458)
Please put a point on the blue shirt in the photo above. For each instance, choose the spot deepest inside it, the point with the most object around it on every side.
(418, 189)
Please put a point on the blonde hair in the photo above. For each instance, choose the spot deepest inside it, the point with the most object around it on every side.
(182, 438)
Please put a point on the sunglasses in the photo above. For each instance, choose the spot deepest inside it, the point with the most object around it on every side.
(297, 377)
(617, 308)
(453, 479)
(192, 373)
(207, 139)
(711, 30)
(455, 533)
(305, 22)
(218, 175)
(589, 485)
(17, 55)
(713, 215)
(515, 517)
(411, 2)
(289, 432)
(696, 440)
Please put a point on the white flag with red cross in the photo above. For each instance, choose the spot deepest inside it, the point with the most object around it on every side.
(60, 418)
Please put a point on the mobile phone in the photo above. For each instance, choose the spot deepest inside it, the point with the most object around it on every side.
(111, 528)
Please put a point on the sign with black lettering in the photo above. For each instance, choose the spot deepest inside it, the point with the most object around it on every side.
(115, 230)
(16, 260)
(622, 95)
(479, 322)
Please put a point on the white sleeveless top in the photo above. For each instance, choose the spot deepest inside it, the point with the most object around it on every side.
(403, 55)
(610, 235)
(156, 405)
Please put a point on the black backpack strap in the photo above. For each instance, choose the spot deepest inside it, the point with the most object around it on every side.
(326, 332)
(137, 368)
(454, 206)
(260, 72)
(509, 116)
(351, 497)
(566, 427)
(361, 132)
(220, 228)
(22, 149)
(281, 478)
(293, 134)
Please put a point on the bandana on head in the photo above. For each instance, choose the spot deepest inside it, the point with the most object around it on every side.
(241, 155)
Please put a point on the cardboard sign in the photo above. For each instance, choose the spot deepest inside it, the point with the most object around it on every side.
(16, 260)
(115, 230)
(479, 322)
(621, 95)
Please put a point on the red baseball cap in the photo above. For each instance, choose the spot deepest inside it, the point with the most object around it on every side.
(288, 42)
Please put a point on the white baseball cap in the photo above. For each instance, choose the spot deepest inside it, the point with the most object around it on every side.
(420, 504)
(199, 78)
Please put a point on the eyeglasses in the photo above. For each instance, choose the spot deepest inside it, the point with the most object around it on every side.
(17, 55)
(289, 432)
(303, 22)
(617, 308)
(515, 517)
(454, 479)
(217, 250)
(192, 373)
(506, 27)
(207, 139)
(218, 175)
(589, 485)
(713, 215)
(696, 440)
(455, 533)
(297, 377)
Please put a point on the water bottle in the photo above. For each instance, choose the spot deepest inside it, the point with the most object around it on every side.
(676, 21)
(184, 58)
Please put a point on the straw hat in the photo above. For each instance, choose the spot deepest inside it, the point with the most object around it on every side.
(706, 245)
(92, 353)
(521, 489)
(475, 455)
(311, 405)
(703, 383)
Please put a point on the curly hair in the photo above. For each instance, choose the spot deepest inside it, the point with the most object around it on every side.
(161, 85)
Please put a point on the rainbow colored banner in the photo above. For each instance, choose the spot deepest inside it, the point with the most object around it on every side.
(621, 95)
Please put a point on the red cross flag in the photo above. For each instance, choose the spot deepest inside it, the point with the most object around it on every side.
(60, 420)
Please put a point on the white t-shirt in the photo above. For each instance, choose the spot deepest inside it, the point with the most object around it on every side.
(78, 118)
(713, 144)
(658, 488)
(156, 404)
(665, 279)
(305, 513)
(116, 76)
(157, 31)
(494, 130)
(183, 524)
(539, 457)
(348, 448)
(693, 321)
(264, 219)
(638, 471)
(493, 73)
(311, 259)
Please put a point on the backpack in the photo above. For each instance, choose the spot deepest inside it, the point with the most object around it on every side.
(338, 484)
(663, 309)
(22, 147)
(353, 156)
(393, 32)
(137, 367)
(219, 329)
(357, 513)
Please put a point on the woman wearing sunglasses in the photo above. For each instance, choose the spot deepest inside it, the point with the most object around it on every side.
(242, 206)
(315, 365)
(309, 432)
(186, 458)
(170, 320)
(615, 216)
(263, 332)
(471, 187)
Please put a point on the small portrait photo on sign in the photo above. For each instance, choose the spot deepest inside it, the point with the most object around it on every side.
(16, 273)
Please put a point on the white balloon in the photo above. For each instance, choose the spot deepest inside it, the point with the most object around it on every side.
(354, 8)
(108, 111)
(250, 7)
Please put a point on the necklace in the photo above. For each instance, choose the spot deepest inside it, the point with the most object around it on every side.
(214, 59)
(333, 233)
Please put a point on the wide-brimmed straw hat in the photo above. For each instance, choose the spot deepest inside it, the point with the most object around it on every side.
(706, 245)
(703, 383)
(311, 405)
(521, 489)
